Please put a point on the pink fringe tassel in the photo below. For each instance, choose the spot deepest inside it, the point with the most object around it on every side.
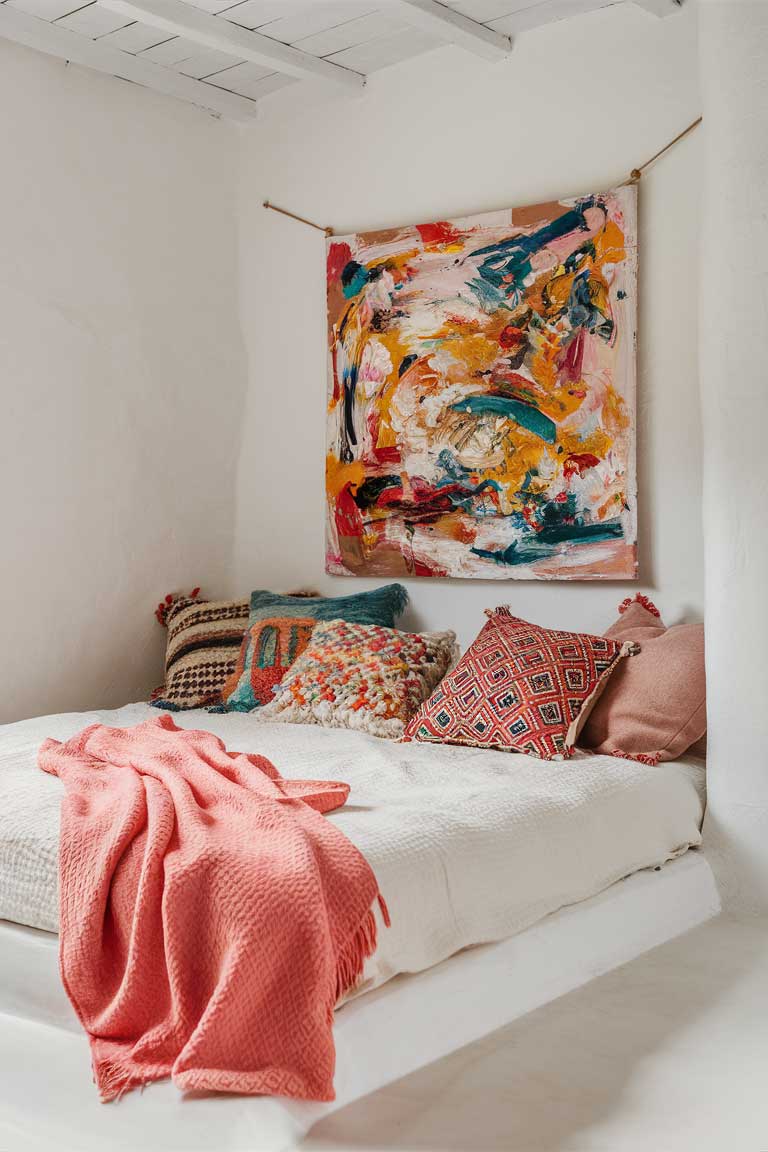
(639, 598)
(650, 758)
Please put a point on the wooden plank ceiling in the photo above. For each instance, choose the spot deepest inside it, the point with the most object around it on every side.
(227, 55)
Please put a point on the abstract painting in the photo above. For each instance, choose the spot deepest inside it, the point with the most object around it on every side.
(481, 402)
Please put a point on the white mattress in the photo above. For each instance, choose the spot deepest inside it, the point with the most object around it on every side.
(468, 845)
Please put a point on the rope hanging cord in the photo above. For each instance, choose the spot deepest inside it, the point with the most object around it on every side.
(634, 177)
(636, 173)
(301, 219)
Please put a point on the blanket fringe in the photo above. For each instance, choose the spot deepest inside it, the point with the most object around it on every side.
(361, 945)
(384, 911)
(114, 1079)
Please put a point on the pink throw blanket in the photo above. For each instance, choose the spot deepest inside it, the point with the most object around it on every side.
(210, 916)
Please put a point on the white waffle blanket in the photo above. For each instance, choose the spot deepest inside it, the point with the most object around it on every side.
(468, 845)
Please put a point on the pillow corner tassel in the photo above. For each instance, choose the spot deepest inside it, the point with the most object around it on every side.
(641, 599)
(630, 648)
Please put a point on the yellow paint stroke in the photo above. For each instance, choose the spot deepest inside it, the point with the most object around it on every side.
(609, 245)
(338, 475)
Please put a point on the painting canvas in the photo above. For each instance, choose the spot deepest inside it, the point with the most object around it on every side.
(481, 404)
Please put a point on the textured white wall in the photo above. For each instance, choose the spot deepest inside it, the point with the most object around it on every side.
(734, 322)
(122, 376)
(577, 105)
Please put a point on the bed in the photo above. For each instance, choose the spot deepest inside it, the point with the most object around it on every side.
(505, 878)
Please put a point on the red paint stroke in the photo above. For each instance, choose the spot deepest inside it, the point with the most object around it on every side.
(387, 455)
(349, 522)
(427, 504)
(390, 495)
(579, 462)
(512, 379)
(512, 337)
(571, 360)
(335, 369)
(372, 422)
(339, 255)
(420, 568)
(440, 232)
(530, 516)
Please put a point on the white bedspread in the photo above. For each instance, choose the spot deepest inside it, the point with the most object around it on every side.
(468, 845)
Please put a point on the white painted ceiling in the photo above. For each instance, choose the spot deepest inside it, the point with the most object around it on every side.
(360, 36)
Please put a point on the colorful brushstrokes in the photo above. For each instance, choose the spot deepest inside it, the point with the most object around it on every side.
(481, 417)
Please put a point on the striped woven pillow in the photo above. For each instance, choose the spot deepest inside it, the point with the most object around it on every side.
(204, 638)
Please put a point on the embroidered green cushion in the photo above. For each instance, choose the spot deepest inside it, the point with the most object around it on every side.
(380, 606)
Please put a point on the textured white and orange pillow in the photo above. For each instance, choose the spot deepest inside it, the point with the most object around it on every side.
(519, 688)
(361, 676)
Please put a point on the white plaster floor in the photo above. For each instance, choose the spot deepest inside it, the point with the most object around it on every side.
(667, 1054)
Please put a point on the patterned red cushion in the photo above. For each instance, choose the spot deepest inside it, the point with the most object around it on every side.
(520, 688)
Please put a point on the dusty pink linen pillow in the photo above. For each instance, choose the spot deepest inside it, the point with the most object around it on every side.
(654, 706)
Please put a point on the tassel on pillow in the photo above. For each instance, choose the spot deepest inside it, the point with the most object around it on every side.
(172, 600)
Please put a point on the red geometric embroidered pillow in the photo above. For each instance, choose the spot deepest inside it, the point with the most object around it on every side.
(520, 688)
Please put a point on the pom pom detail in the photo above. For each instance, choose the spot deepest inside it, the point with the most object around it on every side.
(639, 598)
(173, 598)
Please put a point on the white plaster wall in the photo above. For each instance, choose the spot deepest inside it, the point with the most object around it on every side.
(575, 108)
(734, 302)
(122, 376)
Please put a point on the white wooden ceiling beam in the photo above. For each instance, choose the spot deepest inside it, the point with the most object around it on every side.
(56, 41)
(447, 24)
(528, 16)
(180, 19)
(659, 7)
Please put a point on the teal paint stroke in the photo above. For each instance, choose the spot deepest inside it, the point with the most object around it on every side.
(526, 415)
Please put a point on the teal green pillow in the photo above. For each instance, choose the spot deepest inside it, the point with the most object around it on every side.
(381, 606)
